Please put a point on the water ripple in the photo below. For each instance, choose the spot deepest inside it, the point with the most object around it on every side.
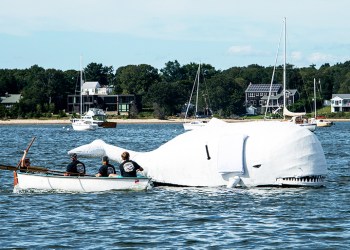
(169, 217)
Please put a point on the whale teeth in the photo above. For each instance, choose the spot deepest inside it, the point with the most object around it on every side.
(305, 180)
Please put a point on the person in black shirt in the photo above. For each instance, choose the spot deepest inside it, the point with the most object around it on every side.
(75, 167)
(106, 169)
(128, 168)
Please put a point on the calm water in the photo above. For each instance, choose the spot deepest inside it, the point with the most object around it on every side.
(167, 217)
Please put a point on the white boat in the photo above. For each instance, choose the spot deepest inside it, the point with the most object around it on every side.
(320, 121)
(194, 124)
(200, 119)
(297, 118)
(99, 117)
(49, 182)
(82, 124)
(303, 122)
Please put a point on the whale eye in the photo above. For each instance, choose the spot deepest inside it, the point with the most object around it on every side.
(257, 166)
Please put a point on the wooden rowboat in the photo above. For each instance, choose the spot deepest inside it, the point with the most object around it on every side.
(52, 182)
(38, 178)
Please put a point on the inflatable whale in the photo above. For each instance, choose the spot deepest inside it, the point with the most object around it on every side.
(233, 154)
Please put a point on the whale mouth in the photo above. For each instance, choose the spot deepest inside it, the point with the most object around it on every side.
(311, 180)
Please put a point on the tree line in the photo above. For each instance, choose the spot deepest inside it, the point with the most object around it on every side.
(167, 90)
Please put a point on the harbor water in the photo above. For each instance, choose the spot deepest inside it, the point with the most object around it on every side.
(168, 217)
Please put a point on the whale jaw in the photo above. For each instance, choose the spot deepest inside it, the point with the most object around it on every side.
(308, 181)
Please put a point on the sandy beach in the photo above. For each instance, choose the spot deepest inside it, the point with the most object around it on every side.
(121, 121)
(67, 121)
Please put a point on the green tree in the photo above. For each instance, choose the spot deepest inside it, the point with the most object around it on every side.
(136, 79)
(98, 72)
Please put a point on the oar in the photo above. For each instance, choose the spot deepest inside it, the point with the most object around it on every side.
(38, 169)
(30, 168)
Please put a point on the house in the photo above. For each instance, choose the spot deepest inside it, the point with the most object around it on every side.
(340, 103)
(94, 88)
(257, 95)
(95, 96)
(9, 100)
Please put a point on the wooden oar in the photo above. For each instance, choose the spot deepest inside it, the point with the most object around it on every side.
(39, 169)
(30, 168)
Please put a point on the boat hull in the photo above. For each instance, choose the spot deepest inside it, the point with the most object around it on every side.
(82, 125)
(108, 124)
(28, 181)
(194, 125)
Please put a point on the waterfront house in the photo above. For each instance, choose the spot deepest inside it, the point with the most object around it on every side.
(340, 103)
(9, 100)
(256, 95)
(96, 96)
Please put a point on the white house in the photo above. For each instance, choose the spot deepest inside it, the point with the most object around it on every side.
(340, 103)
(94, 88)
(90, 88)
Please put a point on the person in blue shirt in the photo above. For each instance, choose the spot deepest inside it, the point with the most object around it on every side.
(106, 169)
(128, 168)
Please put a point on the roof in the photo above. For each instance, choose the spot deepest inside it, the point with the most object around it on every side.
(10, 99)
(263, 87)
(341, 96)
(91, 85)
(292, 91)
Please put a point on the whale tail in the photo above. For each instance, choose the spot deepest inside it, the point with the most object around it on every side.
(98, 148)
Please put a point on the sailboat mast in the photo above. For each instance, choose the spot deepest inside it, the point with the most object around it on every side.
(198, 76)
(284, 66)
(81, 87)
(315, 95)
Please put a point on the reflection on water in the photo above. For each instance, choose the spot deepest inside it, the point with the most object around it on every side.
(169, 217)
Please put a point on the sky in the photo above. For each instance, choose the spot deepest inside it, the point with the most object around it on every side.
(223, 33)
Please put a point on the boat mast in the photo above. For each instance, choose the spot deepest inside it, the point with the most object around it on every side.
(198, 76)
(315, 95)
(284, 66)
(81, 87)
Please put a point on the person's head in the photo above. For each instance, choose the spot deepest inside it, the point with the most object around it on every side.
(74, 157)
(125, 156)
(26, 162)
(105, 159)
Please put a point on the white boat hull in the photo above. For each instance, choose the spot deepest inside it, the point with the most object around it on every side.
(27, 181)
(194, 125)
(309, 126)
(82, 125)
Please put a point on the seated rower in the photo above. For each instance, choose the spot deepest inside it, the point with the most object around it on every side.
(25, 165)
(75, 167)
(128, 168)
(106, 170)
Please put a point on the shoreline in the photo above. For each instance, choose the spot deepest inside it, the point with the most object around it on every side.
(125, 121)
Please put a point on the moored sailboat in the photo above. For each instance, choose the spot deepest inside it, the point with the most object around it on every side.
(320, 121)
(200, 118)
(297, 118)
(81, 124)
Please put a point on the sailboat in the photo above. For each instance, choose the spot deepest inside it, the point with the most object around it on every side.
(82, 124)
(297, 118)
(320, 121)
(198, 122)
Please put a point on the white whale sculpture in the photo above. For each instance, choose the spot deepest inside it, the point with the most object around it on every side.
(231, 154)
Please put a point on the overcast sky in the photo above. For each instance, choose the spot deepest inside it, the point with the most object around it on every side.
(223, 33)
